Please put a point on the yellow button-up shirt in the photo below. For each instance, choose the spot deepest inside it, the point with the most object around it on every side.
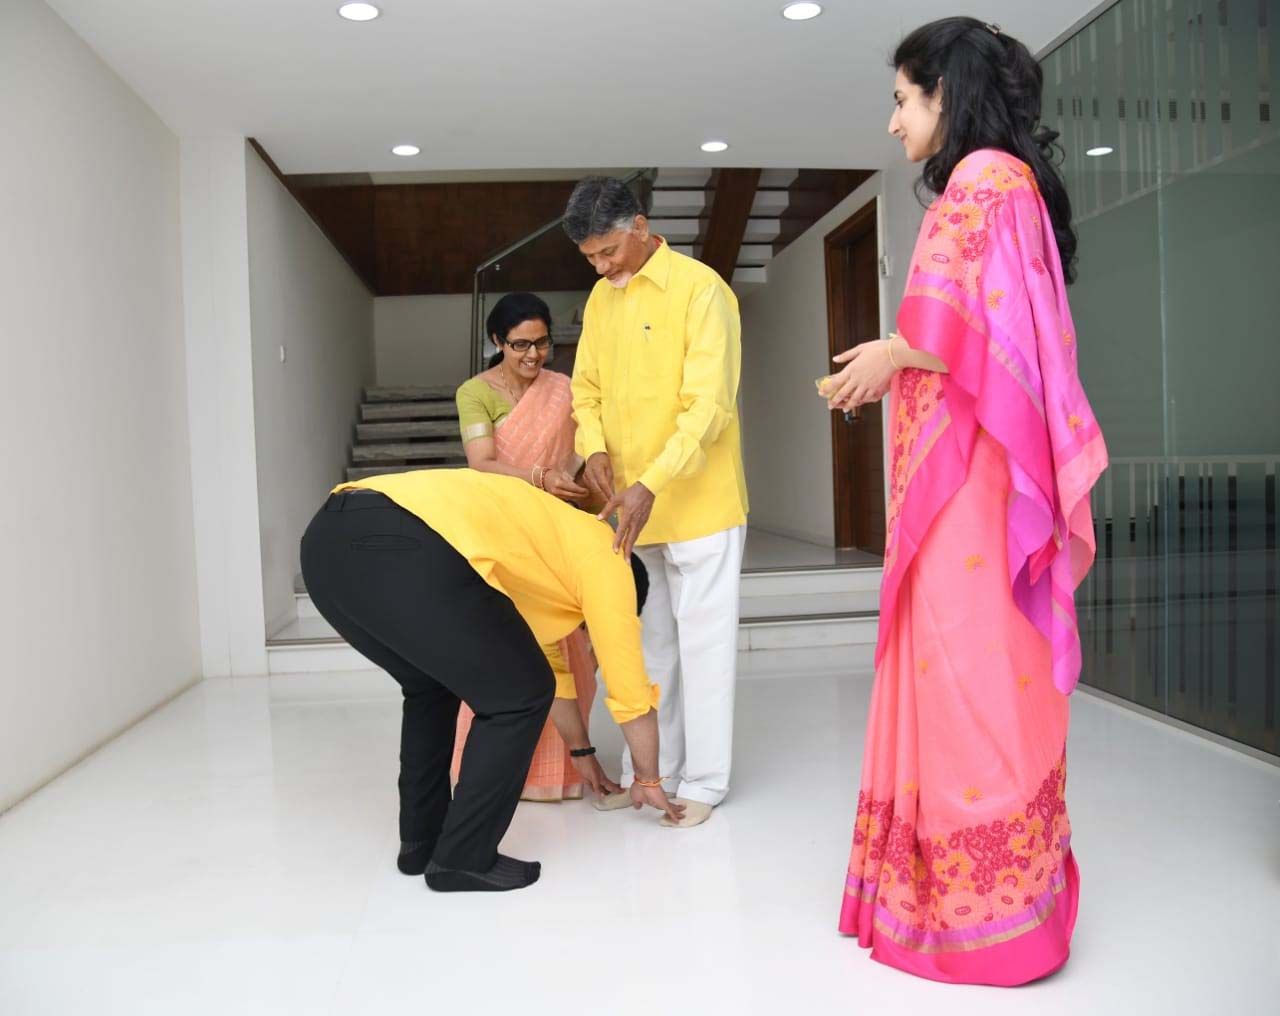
(555, 563)
(655, 384)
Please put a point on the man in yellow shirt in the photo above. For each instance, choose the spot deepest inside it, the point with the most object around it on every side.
(655, 389)
(450, 580)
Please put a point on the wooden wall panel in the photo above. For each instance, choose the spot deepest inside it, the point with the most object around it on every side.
(346, 216)
(813, 193)
(423, 239)
(419, 239)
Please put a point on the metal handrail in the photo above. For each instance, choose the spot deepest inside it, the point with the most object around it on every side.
(477, 323)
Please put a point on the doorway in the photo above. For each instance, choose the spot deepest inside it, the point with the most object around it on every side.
(857, 440)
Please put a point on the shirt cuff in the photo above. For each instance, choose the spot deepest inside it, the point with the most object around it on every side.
(625, 712)
(589, 444)
(655, 478)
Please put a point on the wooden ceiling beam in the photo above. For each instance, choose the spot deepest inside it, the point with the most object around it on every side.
(734, 194)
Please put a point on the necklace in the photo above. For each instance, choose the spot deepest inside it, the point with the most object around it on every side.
(501, 378)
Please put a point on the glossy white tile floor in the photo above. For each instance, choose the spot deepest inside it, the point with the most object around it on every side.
(232, 855)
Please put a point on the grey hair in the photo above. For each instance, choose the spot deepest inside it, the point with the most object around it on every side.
(599, 205)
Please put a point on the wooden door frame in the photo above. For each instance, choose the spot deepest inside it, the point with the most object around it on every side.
(865, 220)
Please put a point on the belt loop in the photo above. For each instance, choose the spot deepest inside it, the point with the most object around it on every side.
(335, 502)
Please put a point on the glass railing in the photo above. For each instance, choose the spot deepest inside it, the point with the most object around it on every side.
(544, 262)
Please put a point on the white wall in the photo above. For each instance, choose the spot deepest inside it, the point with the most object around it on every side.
(302, 296)
(224, 475)
(425, 340)
(98, 605)
(787, 428)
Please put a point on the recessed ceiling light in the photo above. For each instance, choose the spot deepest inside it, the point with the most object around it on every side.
(358, 12)
(714, 146)
(1100, 150)
(405, 150)
(801, 11)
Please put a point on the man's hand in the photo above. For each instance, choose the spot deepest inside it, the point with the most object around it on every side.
(655, 797)
(633, 506)
(593, 776)
(597, 474)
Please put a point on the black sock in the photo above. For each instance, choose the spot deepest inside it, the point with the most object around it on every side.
(414, 856)
(507, 873)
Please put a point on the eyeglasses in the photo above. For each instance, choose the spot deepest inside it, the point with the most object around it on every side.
(522, 345)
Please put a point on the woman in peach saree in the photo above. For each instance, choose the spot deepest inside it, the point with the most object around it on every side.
(516, 419)
(961, 867)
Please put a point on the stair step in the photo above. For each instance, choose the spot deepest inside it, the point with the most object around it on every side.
(407, 451)
(770, 202)
(681, 179)
(805, 610)
(755, 254)
(750, 275)
(372, 412)
(748, 253)
(364, 472)
(405, 429)
(678, 203)
(676, 230)
(849, 628)
(409, 393)
(791, 585)
(762, 230)
(756, 608)
(778, 177)
(304, 648)
(683, 231)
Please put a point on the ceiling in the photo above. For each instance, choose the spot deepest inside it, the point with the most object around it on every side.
(504, 84)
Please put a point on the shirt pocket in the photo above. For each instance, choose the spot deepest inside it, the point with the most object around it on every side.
(658, 363)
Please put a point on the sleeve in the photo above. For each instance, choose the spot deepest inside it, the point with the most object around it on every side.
(708, 391)
(609, 606)
(565, 686)
(586, 390)
(475, 419)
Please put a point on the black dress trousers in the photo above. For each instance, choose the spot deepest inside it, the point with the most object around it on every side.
(410, 603)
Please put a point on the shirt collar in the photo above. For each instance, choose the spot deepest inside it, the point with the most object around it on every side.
(658, 268)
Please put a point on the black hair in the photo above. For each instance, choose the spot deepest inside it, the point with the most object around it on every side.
(641, 574)
(512, 310)
(991, 89)
(599, 205)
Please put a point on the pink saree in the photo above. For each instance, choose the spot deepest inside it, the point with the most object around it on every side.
(540, 431)
(961, 868)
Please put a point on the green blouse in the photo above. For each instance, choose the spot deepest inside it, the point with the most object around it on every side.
(480, 408)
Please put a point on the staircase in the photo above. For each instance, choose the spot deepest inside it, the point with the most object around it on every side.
(681, 203)
(787, 615)
(406, 428)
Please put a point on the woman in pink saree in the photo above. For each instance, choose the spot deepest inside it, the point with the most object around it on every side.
(516, 420)
(961, 868)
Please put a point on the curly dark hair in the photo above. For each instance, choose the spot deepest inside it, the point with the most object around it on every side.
(991, 89)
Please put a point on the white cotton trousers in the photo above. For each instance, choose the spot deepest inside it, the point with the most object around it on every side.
(690, 637)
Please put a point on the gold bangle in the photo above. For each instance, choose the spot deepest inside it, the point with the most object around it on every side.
(889, 346)
(649, 783)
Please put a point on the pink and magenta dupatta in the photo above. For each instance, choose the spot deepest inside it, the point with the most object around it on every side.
(986, 295)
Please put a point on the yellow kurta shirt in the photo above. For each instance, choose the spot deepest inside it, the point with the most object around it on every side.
(553, 561)
(655, 384)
